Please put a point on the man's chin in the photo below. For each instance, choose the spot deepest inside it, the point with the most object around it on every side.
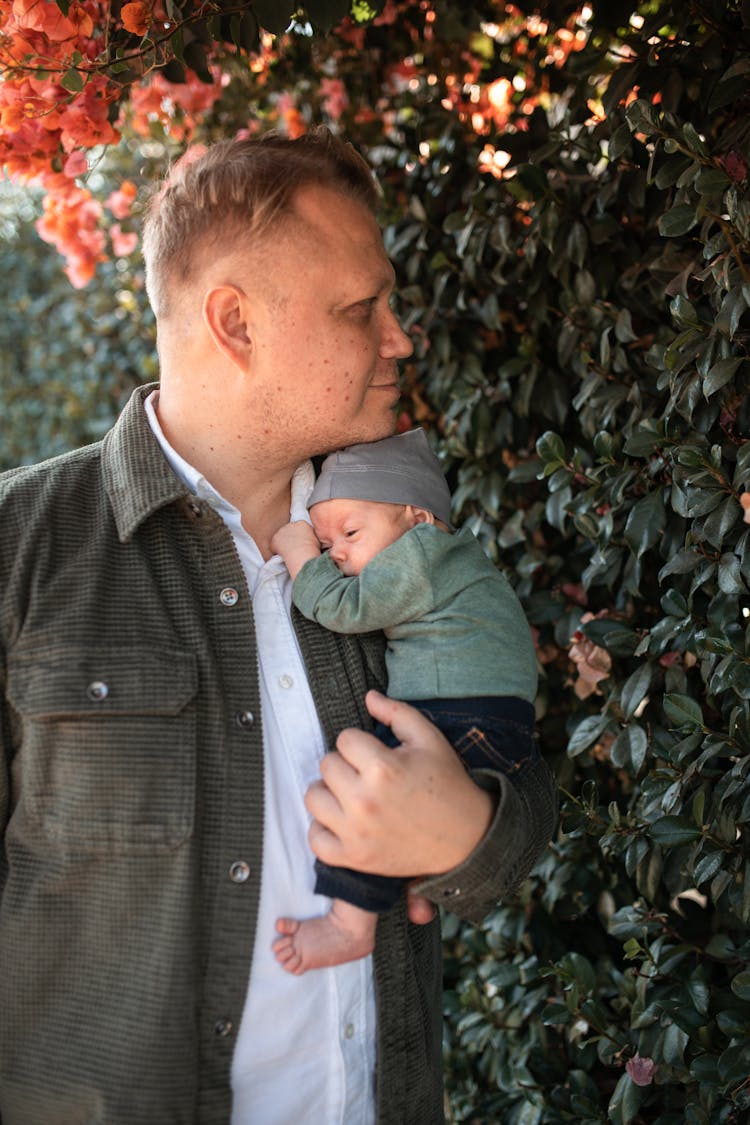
(373, 430)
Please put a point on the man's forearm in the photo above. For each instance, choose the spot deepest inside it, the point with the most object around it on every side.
(521, 829)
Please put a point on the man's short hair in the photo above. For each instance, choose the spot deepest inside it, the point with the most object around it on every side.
(233, 193)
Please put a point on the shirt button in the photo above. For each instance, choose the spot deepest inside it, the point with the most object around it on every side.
(285, 681)
(223, 1027)
(239, 872)
(244, 719)
(349, 1031)
(229, 596)
(97, 691)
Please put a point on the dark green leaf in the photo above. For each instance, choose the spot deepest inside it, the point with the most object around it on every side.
(673, 831)
(645, 523)
(644, 440)
(742, 466)
(679, 220)
(550, 447)
(730, 576)
(741, 984)
(709, 181)
(634, 689)
(619, 142)
(707, 867)
(682, 711)
(73, 81)
(641, 116)
(628, 751)
(694, 140)
(553, 1014)
(671, 170)
(586, 733)
(720, 374)
(721, 520)
(625, 1101)
(673, 1046)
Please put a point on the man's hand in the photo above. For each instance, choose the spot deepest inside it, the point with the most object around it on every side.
(412, 810)
(297, 543)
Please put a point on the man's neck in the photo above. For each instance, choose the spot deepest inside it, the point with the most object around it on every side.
(264, 512)
(258, 488)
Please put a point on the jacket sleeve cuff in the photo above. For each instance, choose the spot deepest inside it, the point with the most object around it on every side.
(520, 831)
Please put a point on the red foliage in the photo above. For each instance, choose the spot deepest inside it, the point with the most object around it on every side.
(73, 80)
(45, 127)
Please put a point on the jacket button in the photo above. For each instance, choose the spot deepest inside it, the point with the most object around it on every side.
(229, 596)
(223, 1027)
(97, 691)
(239, 872)
(244, 719)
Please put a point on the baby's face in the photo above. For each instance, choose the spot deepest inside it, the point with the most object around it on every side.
(354, 531)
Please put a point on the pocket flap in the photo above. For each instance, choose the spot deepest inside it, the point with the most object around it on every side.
(99, 680)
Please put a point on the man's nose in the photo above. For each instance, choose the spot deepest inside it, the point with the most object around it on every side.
(394, 343)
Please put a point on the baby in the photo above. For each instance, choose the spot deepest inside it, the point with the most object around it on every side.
(458, 645)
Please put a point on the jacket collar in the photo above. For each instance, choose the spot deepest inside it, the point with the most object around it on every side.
(137, 477)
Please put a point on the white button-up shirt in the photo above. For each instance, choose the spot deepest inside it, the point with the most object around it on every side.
(306, 1044)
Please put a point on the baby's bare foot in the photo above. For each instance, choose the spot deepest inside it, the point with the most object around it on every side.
(346, 933)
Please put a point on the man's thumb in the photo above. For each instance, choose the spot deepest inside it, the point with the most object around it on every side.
(406, 722)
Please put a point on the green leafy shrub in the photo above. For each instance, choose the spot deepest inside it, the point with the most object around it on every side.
(583, 360)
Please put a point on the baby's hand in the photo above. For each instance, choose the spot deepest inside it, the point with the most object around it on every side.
(297, 543)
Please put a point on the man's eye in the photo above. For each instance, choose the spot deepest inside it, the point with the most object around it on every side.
(364, 308)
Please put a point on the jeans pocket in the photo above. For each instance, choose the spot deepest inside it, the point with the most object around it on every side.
(503, 745)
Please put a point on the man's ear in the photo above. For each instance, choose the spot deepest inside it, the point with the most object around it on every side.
(420, 515)
(225, 314)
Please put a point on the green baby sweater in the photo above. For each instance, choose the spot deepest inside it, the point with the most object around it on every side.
(453, 623)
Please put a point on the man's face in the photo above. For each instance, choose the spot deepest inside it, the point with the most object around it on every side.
(325, 340)
(354, 531)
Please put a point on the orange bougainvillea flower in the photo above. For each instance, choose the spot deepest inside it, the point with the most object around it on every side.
(76, 164)
(335, 97)
(177, 105)
(120, 202)
(32, 15)
(745, 504)
(71, 223)
(123, 242)
(137, 17)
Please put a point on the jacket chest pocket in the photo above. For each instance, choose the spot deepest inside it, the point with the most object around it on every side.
(107, 754)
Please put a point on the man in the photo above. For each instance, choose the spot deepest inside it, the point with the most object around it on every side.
(165, 712)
